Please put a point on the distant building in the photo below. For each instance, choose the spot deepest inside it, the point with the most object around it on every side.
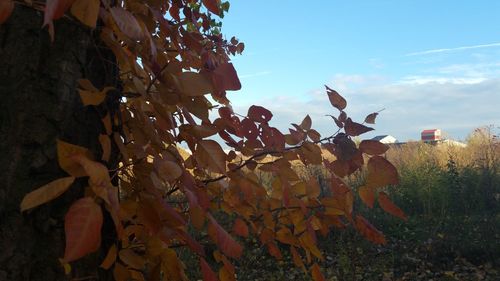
(431, 135)
(385, 139)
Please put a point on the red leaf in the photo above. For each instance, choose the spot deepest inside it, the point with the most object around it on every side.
(240, 228)
(82, 225)
(336, 99)
(369, 231)
(212, 6)
(208, 274)
(259, 114)
(55, 9)
(387, 205)
(6, 8)
(226, 78)
(316, 273)
(381, 172)
(367, 195)
(224, 241)
(355, 129)
(306, 123)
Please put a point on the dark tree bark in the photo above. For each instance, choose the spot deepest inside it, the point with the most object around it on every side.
(39, 103)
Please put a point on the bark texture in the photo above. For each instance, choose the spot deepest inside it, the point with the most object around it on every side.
(39, 103)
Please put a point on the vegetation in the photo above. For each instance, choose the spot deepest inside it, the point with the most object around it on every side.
(96, 106)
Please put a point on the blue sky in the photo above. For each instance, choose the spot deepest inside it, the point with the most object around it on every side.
(430, 64)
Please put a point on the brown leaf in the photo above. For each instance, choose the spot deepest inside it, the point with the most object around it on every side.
(133, 260)
(381, 172)
(210, 155)
(6, 8)
(46, 193)
(336, 99)
(167, 170)
(194, 84)
(127, 23)
(387, 205)
(355, 129)
(82, 226)
(240, 228)
(373, 147)
(224, 241)
(306, 123)
(226, 78)
(370, 118)
(259, 114)
(86, 11)
(207, 272)
(369, 231)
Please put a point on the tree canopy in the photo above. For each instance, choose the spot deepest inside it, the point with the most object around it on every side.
(174, 69)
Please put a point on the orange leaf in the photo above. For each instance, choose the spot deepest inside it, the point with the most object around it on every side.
(82, 226)
(369, 231)
(240, 228)
(127, 23)
(194, 84)
(65, 154)
(297, 259)
(381, 172)
(6, 8)
(274, 250)
(367, 195)
(387, 205)
(110, 258)
(210, 155)
(224, 241)
(212, 6)
(98, 173)
(370, 118)
(355, 129)
(316, 273)
(46, 193)
(130, 258)
(208, 274)
(373, 147)
(336, 99)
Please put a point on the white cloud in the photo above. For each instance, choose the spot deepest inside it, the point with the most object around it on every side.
(443, 50)
(456, 106)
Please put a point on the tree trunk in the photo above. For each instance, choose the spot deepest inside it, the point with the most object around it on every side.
(39, 103)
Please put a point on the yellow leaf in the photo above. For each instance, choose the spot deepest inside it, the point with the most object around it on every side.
(46, 193)
(65, 154)
(110, 258)
(86, 11)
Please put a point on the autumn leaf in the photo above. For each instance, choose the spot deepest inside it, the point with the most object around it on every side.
(306, 123)
(167, 170)
(387, 205)
(65, 156)
(127, 23)
(373, 147)
(194, 84)
(336, 99)
(130, 258)
(86, 11)
(206, 271)
(367, 195)
(355, 129)
(370, 118)
(316, 273)
(46, 193)
(240, 228)
(210, 155)
(6, 8)
(55, 9)
(226, 78)
(82, 226)
(224, 241)
(369, 231)
(381, 172)
(110, 258)
(259, 114)
(212, 6)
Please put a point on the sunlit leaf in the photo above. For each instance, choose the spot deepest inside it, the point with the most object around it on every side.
(65, 156)
(46, 193)
(381, 172)
(387, 205)
(82, 226)
(210, 155)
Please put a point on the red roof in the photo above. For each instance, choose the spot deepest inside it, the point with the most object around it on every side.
(430, 131)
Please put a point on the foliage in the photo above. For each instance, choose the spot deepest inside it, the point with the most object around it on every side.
(175, 68)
